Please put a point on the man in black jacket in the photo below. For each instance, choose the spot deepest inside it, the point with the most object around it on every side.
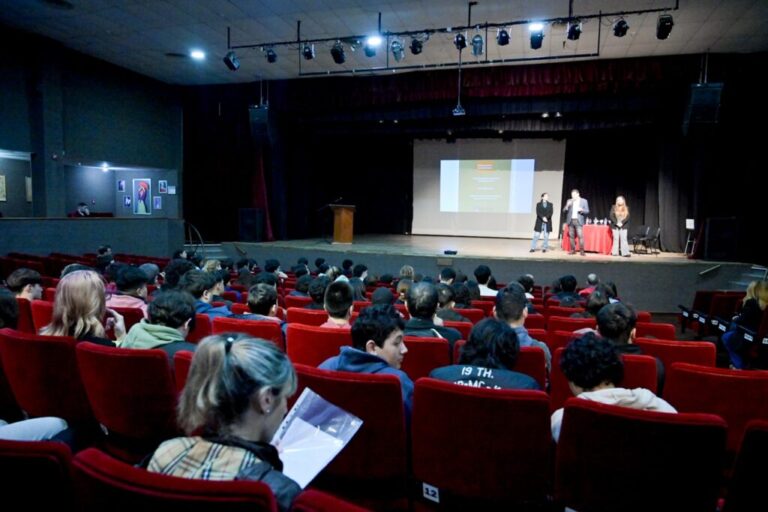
(543, 225)
(421, 302)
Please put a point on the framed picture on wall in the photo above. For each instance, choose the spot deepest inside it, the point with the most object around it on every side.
(127, 201)
(121, 185)
(3, 196)
(162, 186)
(157, 203)
(142, 192)
(28, 188)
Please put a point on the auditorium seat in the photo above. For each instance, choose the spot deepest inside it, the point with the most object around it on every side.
(562, 312)
(35, 476)
(424, 355)
(644, 316)
(538, 334)
(701, 301)
(294, 301)
(559, 339)
(651, 330)
(240, 309)
(201, 329)
(360, 305)
(231, 297)
(486, 305)
(474, 314)
(507, 461)
(617, 458)
(182, 360)
(105, 483)
(42, 313)
(746, 492)
(312, 500)
(737, 396)
(530, 361)
(132, 316)
(406, 315)
(264, 329)
(695, 352)
(49, 294)
(311, 345)
(559, 323)
(25, 323)
(315, 317)
(372, 469)
(465, 328)
(536, 322)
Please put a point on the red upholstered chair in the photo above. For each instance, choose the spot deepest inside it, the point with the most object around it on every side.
(312, 345)
(360, 305)
(463, 327)
(644, 316)
(42, 313)
(536, 322)
(617, 458)
(559, 339)
(474, 314)
(294, 301)
(424, 355)
(104, 483)
(132, 394)
(695, 352)
(240, 309)
(313, 500)
(538, 334)
(132, 316)
(230, 296)
(372, 468)
(561, 312)
(530, 361)
(639, 372)
(559, 323)
(182, 360)
(738, 396)
(404, 311)
(515, 445)
(307, 316)
(36, 474)
(42, 371)
(9, 408)
(264, 329)
(659, 331)
(486, 305)
(746, 491)
(49, 294)
(201, 329)
(25, 322)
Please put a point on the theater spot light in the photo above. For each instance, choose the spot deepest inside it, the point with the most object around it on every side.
(460, 41)
(574, 30)
(502, 37)
(197, 54)
(620, 28)
(398, 52)
(271, 55)
(337, 52)
(537, 35)
(477, 45)
(308, 51)
(416, 46)
(371, 43)
(231, 60)
(664, 26)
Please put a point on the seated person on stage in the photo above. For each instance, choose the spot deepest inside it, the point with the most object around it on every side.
(483, 275)
(403, 285)
(377, 347)
(202, 286)
(302, 286)
(421, 304)
(170, 317)
(461, 296)
(262, 302)
(511, 308)
(445, 301)
(25, 283)
(567, 290)
(594, 371)
(447, 276)
(592, 282)
(131, 290)
(616, 323)
(487, 360)
(317, 292)
(338, 305)
(234, 401)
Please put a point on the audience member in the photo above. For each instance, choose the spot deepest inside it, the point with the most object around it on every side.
(302, 286)
(511, 308)
(474, 290)
(211, 266)
(446, 303)
(9, 309)
(151, 271)
(25, 284)
(346, 267)
(447, 276)
(527, 282)
(202, 286)
(173, 272)
(73, 267)
(403, 285)
(319, 262)
(461, 297)
(317, 292)
(82, 210)
(131, 290)
(407, 272)
(421, 303)
(338, 304)
(179, 254)
(382, 297)
(592, 282)
(568, 290)
(595, 303)
(483, 275)
(262, 302)
(272, 266)
(753, 306)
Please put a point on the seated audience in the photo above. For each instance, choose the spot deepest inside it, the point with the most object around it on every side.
(461, 296)
(382, 297)
(152, 271)
(73, 267)
(483, 275)
(179, 254)
(170, 318)
(511, 308)
(346, 267)
(104, 249)
(202, 286)
(25, 284)
(474, 290)
(80, 308)
(592, 282)
(753, 306)
(446, 304)
(131, 290)
(403, 285)
(9, 309)
(610, 288)
(421, 304)
(359, 274)
(338, 304)
(82, 210)
(447, 276)
(377, 347)
(527, 282)
(595, 303)
(317, 292)
(386, 279)
(594, 371)
(272, 266)
(319, 262)
(488, 359)
(302, 286)
(262, 302)
(235, 399)
(173, 272)
(407, 272)
(222, 282)
(568, 293)
(268, 278)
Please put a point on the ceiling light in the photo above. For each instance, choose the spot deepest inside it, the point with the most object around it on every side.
(664, 26)
(374, 41)
(477, 45)
(337, 52)
(231, 60)
(545, 115)
(197, 54)
(416, 46)
(104, 167)
(308, 51)
(460, 41)
(620, 28)
(537, 35)
(271, 55)
(502, 38)
(536, 27)
(574, 30)
(398, 52)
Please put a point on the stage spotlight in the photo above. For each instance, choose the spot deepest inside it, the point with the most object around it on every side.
(574, 30)
(416, 46)
(197, 54)
(398, 52)
(231, 60)
(460, 41)
(620, 28)
(371, 43)
(537, 35)
(337, 52)
(477, 45)
(502, 38)
(664, 26)
(308, 51)
(271, 55)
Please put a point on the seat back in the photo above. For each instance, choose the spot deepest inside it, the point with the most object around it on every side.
(737, 396)
(295, 301)
(424, 355)
(695, 352)
(486, 305)
(652, 330)
(42, 371)
(104, 483)
(672, 460)
(42, 313)
(515, 443)
(313, 500)
(559, 339)
(746, 491)
(560, 323)
(182, 360)
(474, 314)
(360, 305)
(644, 316)
(463, 327)
(537, 321)
(240, 309)
(264, 329)
(315, 317)
(132, 316)
(201, 329)
(36, 474)
(530, 361)
(312, 345)
(24, 322)
(639, 372)
(561, 312)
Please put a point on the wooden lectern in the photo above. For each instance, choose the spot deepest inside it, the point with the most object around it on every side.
(343, 223)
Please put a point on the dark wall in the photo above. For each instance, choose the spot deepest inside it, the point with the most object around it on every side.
(15, 172)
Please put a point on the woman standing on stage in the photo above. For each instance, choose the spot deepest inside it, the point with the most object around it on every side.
(619, 225)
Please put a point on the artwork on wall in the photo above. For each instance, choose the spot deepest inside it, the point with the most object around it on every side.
(172, 190)
(127, 201)
(121, 185)
(157, 203)
(162, 186)
(28, 188)
(3, 196)
(142, 192)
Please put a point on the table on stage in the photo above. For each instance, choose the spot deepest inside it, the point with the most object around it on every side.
(597, 238)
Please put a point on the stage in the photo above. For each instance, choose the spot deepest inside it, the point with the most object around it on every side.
(651, 282)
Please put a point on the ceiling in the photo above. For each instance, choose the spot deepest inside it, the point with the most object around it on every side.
(137, 34)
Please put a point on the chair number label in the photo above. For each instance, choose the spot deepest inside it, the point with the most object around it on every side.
(431, 492)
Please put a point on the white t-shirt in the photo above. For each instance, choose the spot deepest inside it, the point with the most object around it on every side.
(575, 208)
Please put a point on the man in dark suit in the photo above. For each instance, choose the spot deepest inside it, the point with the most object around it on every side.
(576, 211)
(543, 225)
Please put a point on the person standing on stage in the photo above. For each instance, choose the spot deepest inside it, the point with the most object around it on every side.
(543, 223)
(576, 211)
(619, 225)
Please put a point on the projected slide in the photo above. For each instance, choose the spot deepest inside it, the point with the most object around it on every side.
(483, 186)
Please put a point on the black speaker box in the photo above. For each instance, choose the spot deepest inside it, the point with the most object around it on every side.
(703, 105)
(251, 224)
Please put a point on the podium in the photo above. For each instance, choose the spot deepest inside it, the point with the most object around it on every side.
(343, 223)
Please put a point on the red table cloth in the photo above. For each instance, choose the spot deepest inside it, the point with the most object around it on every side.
(597, 238)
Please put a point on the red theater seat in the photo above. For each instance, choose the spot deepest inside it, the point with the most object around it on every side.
(559, 323)
(536, 322)
(463, 327)
(201, 329)
(486, 305)
(695, 352)
(294, 301)
(424, 355)
(530, 361)
(264, 329)
(651, 330)
(315, 317)
(311, 345)
(132, 316)
(36, 475)
(25, 322)
(746, 492)
(313, 500)
(182, 360)
(474, 315)
(42, 313)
